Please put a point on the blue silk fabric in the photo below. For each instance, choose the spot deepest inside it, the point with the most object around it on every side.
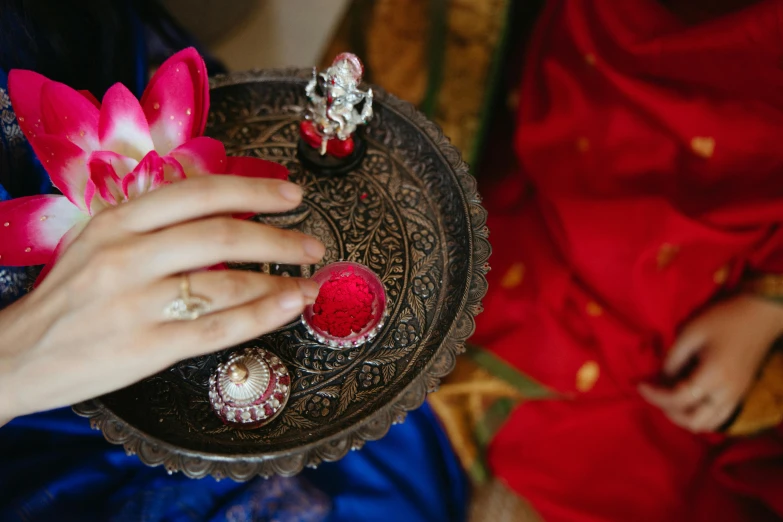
(54, 468)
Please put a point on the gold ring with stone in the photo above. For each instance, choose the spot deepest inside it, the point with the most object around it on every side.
(187, 306)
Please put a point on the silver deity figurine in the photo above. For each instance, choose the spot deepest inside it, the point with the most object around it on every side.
(337, 107)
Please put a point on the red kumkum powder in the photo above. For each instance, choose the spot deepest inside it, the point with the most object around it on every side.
(343, 306)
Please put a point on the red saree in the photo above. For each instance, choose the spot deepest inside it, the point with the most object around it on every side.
(655, 150)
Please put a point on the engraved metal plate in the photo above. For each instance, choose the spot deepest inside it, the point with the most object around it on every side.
(410, 212)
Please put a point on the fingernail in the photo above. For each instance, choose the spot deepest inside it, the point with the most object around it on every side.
(290, 191)
(314, 248)
(291, 301)
(309, 289)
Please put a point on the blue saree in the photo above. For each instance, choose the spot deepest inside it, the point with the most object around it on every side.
(53, 467)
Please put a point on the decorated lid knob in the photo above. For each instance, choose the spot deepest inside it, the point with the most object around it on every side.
(250, 388)
(237, 373)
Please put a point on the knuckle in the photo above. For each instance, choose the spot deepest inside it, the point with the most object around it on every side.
(265, 316)
(261, 316)
(236, 285)
(286, 284)
(100, 226)
(109, 259)
(683, 422)
(263, 188)
(213, 329)
(285, 244)
(125, 314)
(203, 191)
(224, 232)
(103, 267)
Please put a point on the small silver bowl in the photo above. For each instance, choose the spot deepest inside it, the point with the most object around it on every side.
(380, 312)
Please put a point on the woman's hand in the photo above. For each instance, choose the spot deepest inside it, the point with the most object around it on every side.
(728, 343)
(97, 323)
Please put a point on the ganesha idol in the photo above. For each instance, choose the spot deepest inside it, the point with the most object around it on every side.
(337, 107)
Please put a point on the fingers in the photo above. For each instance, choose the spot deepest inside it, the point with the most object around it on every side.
(696, 404)
(700, 419)
(686, 395)
(681, 410)
(204, 243)
(707, 417)
(681, 418)
(206, 196)
(230, 327)
(685, 348)
(722, 414)
(222, 288)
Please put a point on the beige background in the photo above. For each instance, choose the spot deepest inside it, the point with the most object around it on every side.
(249, 34)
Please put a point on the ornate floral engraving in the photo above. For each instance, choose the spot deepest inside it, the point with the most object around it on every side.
(410, 212)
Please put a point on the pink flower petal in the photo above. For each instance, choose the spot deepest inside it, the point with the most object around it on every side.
(66, 164)
(91, 98)
(123, 127)
(176, 101)
(172, 170)
(68, 114)
(62, 246)
(31, 227)
(122, 165)
(255, 168)
(24, 88)
(107, 183)
(107, 170)
(147, 176)
(94, 205)
(201, 156)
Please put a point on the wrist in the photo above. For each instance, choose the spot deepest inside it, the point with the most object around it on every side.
(769, 311)
(10, 362)
(8, 408)
(767, 291)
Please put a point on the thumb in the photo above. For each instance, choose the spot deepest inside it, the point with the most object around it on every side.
(687, 345)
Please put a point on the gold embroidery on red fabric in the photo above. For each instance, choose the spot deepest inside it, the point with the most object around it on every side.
(593, 309)
(721, 275)
(703, 146)
(587, 376)
(666, 255)
(514, 276)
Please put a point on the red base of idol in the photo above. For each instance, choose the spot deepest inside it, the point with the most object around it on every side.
(256, 411)
(334, 147)
(351, 306)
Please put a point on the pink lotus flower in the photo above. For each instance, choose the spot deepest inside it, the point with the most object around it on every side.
(100, 155)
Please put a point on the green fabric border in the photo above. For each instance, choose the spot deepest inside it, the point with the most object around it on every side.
(497, 413)
(436, 55)
(490, 93)
(527, 386)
